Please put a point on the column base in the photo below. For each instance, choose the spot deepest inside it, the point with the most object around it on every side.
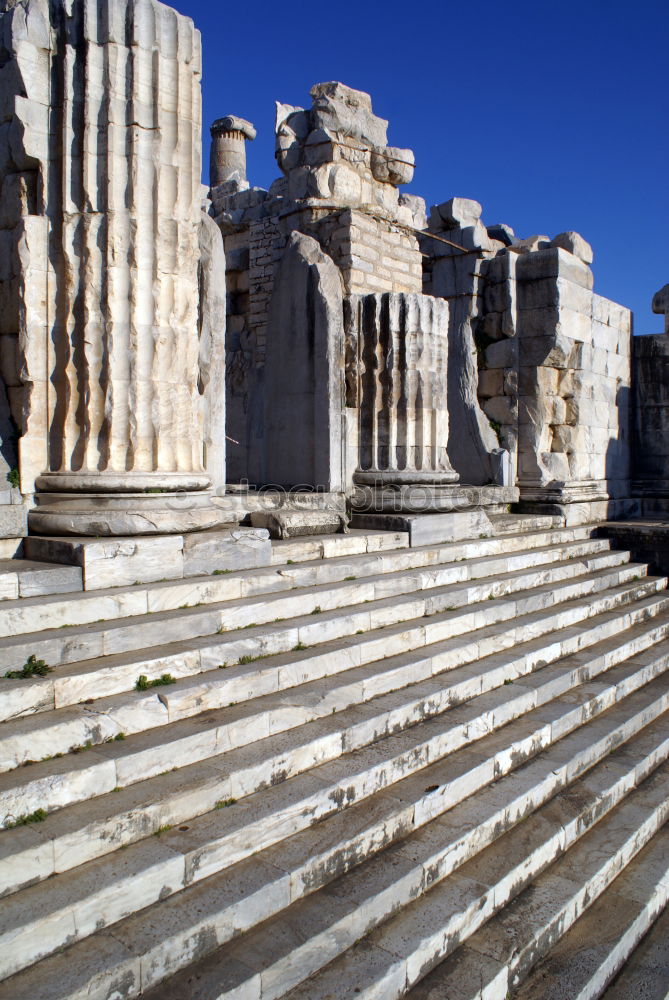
(102, 515)
(575, 502)
(412, 498)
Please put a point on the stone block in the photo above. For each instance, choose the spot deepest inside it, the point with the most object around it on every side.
(114, 562)
(502, 233)
(294, 523)
(575, 244)
(455, 213)
(239, 548)
(13, 521)
(429, 529)
(491, 382)
(502, 409)
(554, 262)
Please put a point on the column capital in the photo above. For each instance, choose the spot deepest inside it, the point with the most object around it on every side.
(232, 124)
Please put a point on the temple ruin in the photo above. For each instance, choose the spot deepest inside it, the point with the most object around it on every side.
(334, 533)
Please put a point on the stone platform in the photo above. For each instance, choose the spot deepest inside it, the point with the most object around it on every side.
(117, 562)
(365, 770)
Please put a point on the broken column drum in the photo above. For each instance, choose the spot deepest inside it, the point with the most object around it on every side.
(111, 126)
(401, 343)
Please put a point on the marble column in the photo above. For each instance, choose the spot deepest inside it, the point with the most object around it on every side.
(229, 136)
(111, 126)
(401, 342)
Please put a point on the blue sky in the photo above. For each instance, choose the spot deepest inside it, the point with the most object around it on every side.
(554, 114)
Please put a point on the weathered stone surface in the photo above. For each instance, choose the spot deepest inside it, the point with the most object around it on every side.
(401, 340)
(116, 341)
(303, 441)
(430, 529)
(13, 520)
(472, 439)
(457, 213)
(116, 562)
(393, 166)
(574, 244)
(228, 153)
(292, 523)
(500, 231)
(211, 379)
(342, 109)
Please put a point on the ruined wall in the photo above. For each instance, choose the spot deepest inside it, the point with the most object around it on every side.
(340, 187)
(540, 364)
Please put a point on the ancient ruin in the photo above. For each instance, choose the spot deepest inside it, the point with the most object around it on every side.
(320, 676)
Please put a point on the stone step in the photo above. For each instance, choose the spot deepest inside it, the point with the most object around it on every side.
(398, 954)
(596, 948)
(30, 615)
(302, 934)
(220, 608)
(544, 914)
(108, 675)
(96, 827)
(53, 784)
(27, 578)
(516, 524)
(354, 542)
(646, 973)
(42, 736)
(11, 548)
(39, 920)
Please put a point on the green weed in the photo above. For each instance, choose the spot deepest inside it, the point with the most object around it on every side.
(31, 668)
(143, 683)
(37, 817)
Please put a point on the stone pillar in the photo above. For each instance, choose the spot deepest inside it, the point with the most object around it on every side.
(458, 276)
(401, 343)
(304, 384)
(229, 136)
(574, 386)
(111, 130)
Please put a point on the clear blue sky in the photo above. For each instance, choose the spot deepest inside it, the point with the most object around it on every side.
(554, 114)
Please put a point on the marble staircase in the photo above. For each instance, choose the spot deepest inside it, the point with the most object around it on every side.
(368, 771)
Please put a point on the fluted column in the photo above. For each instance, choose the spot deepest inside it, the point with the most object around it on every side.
(121, 192)
(402, 358)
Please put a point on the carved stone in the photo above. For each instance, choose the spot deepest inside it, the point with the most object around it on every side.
(103, 178)
(402, 359)
(304, 387)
